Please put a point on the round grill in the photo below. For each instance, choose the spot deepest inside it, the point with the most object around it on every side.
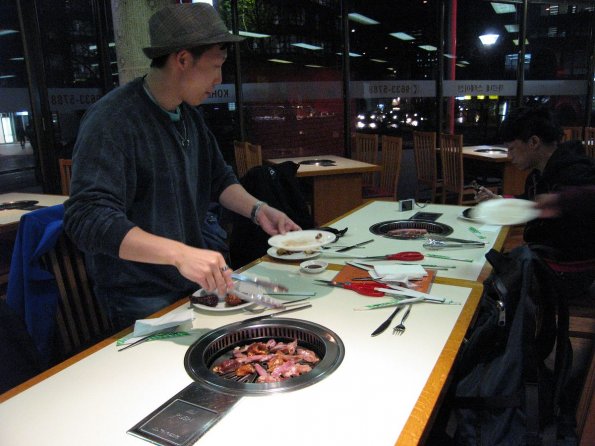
(216, 346)
(432, 227)
(318, 162)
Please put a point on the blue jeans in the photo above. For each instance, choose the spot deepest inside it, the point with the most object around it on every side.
(123, 311)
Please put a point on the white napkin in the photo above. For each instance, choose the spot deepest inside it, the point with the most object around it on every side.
(402, 273)
(145, 327)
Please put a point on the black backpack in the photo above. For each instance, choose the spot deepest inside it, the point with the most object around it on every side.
(277, 186)
(503, 392)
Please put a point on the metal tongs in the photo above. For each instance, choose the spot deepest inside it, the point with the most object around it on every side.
(437, 242)
(258, 297)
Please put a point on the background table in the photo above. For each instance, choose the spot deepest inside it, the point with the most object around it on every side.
(335, 189)
(9, 218)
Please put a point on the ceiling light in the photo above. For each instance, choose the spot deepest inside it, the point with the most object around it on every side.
(307, 46)
(516, 42)
(428, 47)
(279, 61)
(379, 60)
(17, 59)
(362, 19)
(402, 36)
(462, 65)
(351, 54)
(503, 8)
(251, 34)
(313, 66)
(5, 32)
(489, 39)
(464, 62)
(512, 28)
(6, 76)
(449, 56)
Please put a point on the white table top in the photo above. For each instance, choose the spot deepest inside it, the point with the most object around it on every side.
(367, 400)
(342, 165)
(11, 216)
(374, 212)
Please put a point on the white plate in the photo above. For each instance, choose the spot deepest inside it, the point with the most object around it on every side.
(300, 255)
(467, 215)
(220, 307)
(302, 240)
(505, 211)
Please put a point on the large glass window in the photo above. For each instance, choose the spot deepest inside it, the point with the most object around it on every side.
(291, 76)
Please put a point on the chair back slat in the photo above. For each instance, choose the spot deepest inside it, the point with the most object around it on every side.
(65, 175)
(451, 154)
(590, 141)
(247, 156)
(392, 152)
(572, 133)
(366, 150)
(424, 148)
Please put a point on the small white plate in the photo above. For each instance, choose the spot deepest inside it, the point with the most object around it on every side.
(299, 255)
(313, 266)
(505, 211)
(302, 240)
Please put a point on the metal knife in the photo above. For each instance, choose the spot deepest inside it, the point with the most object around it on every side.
(347, 248)
(275, 287)
(387, 322)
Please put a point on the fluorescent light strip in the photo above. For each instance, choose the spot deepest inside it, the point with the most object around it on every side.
(402, 36)
(379, 60)
(428, 47)
(314, 66)
(512, 28)
(359, 18)
(6, 76)
(18, 59)
(307, 46)
(351, 54)
(279, 61)
(251, 34)
(6, 32)
(449, 56)
(503, 8)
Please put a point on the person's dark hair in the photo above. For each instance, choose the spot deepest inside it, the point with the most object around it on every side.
(524, 122)
(197, 51)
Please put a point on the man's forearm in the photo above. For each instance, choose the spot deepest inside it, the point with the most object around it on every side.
(141, 246)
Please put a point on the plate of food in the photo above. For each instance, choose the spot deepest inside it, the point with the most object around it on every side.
(310, 239)
(506, 211)
(468, 215)
(203, 300)
(284, 254)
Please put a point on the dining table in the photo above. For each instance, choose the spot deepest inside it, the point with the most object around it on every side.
(9, 218)
(336, 182)
(513, 179)
(385, 390)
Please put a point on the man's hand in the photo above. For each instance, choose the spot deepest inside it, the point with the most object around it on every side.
(273, 221)
(205, 267)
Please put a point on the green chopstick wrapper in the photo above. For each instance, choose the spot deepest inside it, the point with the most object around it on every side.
(437, 256)
(477, 232)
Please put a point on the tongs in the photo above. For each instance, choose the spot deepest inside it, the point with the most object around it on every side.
(258, 297)
(445, 242)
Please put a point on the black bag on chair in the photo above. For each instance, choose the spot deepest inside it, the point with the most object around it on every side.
(504, 394)
(277, 186)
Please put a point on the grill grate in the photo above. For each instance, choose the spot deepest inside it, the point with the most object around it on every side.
(216, 345)
(432, 227)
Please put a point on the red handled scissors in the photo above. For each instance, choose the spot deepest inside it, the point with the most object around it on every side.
(405, 256)
(366, 289)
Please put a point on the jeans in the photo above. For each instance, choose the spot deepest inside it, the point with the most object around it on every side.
(123, 311)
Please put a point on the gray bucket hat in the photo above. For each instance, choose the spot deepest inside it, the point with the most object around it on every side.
(186, 25)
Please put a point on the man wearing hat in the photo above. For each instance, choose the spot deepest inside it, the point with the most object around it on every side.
(146, 167)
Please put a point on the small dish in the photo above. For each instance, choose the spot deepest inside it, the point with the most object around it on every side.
(505, 211)
(298, 255)
(313, 266)
(302, 240)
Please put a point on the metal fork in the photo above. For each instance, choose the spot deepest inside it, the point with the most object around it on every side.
(400, 329)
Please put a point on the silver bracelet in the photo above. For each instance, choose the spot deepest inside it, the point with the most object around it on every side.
(256, 210)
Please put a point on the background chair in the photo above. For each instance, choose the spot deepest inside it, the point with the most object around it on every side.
(366, 150)
(247, 156)
(65, 175)
(80, 319)
(391, 153)
(572, 133)
(451, 154)
(424, 147)
(590, 141)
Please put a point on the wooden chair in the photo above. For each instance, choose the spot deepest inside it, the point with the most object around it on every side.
(366, 150)
(81, 321)
(392, 151)
(589, 141)
(453, 179)
(572, 133)
(247, 156)
(65, 175)
(424, 148)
